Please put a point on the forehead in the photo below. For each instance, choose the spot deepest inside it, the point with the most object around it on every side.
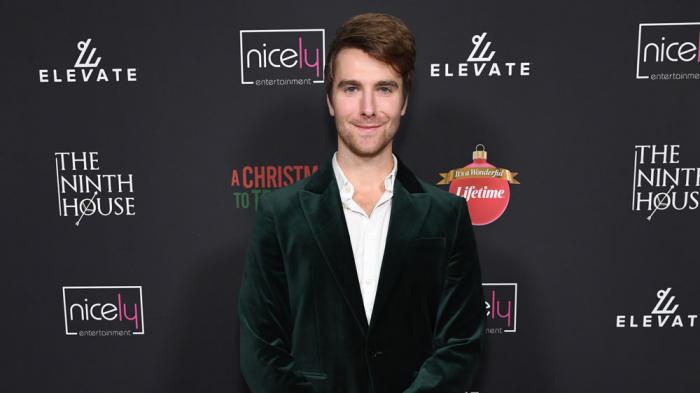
(355, 64)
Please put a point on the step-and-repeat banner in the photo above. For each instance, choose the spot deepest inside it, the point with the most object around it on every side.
(139, 138)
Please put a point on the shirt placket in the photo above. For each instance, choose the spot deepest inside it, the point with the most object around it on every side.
(370, 260)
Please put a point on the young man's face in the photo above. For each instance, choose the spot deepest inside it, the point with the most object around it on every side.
(366, 101)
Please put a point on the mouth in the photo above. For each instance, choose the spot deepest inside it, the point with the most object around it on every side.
(367, 127)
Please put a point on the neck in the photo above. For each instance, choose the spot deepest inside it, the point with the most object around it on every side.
(366, 173)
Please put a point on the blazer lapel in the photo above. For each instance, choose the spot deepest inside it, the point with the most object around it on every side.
(409, 209)
(320, 201)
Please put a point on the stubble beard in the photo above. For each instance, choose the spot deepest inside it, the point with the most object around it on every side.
(352, 141)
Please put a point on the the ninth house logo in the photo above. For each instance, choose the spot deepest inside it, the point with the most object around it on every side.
(86, 190)
(663, 315)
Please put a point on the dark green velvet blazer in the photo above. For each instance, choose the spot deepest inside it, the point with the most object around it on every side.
(302, 322)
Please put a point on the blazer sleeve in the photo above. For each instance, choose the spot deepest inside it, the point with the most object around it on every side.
(460, 319)
(264, 313)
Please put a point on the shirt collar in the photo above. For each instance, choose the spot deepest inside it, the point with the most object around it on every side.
(346, 188)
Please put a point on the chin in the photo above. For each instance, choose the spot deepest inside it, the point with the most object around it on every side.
(366, 151)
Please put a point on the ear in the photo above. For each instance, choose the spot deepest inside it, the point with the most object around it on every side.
(330, 106)
(405, 104)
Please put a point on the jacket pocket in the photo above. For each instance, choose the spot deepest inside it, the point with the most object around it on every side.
(427, 241)
(314, 374)
(318, 380)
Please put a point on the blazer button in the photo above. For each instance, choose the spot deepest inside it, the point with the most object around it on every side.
(376, 354)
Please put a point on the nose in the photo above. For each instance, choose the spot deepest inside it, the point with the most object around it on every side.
(368, 106)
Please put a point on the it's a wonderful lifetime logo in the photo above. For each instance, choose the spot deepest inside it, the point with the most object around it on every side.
(484, 187)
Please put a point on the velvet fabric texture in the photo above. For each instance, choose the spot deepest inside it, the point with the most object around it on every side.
(302, 322)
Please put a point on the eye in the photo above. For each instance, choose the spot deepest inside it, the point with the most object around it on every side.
(350, 89)
(385, 90)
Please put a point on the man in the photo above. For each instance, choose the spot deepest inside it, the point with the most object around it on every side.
(362, 278)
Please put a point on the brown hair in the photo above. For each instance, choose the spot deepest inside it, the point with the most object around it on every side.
(384, 37)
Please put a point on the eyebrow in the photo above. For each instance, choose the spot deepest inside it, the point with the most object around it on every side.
(350, 82)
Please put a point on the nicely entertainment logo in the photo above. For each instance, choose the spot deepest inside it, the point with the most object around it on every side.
(664, 314)
(86, 69)
(485, 188)
(481, 63)
(660, 183)
(103, 311)
(501, 307)
(282, 57)
(668, 51)
(252, 181)
(84, 191)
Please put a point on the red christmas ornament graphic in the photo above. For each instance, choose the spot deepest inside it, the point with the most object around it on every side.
(485, 188)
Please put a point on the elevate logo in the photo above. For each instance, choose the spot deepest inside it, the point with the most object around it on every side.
(668, 51)
(501, 307)
(282, 57)
(257, 180)
(480, 63)
(103, 311)
(84, 191)
(663, 315)
(660, 183)
(86, 69)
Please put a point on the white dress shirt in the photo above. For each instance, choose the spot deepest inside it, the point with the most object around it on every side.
(367, 233)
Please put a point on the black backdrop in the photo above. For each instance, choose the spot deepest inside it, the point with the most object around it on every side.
(587, 263)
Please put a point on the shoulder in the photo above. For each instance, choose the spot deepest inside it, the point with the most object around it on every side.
(439, 194)
(439, 197)
(284, 198)
(447, 209)
(442, 198)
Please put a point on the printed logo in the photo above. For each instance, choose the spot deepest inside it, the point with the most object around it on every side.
(485, 187)
(103, 311)
(501, 307)
(481, 63)
(86, 69)
(252, 181)
(662, 315)
(282, 57)
(84, 191)
(660, 183)
(668, 51)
